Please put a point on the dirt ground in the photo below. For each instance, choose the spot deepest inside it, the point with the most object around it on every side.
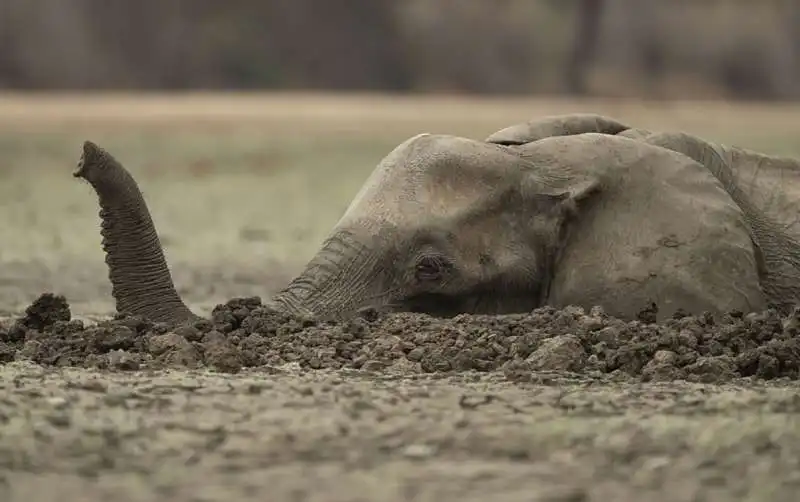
(250, 404)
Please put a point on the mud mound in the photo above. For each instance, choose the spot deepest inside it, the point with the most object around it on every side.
(244, 333)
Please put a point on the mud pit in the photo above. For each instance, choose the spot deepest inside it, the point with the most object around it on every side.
(557, 405)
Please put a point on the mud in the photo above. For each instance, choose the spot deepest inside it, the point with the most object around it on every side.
(349, 436)
(243, 333)
(252, 404)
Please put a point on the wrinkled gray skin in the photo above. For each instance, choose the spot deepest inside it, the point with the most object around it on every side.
(559, 211)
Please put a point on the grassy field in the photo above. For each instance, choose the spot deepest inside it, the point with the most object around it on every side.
(243, 188)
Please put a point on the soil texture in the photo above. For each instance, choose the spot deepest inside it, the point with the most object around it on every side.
(252, 404)
(243, 333)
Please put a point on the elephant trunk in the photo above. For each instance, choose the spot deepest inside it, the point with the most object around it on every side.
(140, 279)
(333, 284)
(341, 278)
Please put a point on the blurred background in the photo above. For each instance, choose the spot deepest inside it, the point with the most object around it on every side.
(733, 49)
(250, 125)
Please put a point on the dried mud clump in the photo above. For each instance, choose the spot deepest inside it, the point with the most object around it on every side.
(244, 333)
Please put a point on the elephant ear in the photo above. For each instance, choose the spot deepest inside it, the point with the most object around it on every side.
(562, 196)
(766, 188)
(557, 125)
(648, 225)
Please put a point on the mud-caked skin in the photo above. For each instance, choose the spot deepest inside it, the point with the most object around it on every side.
(559, 211)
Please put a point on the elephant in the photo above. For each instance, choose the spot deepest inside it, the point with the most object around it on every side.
(567, 210)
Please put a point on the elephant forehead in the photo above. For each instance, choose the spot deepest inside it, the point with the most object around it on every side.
(435, 176)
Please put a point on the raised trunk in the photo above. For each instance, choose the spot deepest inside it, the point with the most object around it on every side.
(333, 285)
(140, 279)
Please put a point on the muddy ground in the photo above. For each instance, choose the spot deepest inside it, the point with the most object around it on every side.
(560, 406)
(250, 404)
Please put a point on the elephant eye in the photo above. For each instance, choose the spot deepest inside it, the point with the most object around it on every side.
(429, 268)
